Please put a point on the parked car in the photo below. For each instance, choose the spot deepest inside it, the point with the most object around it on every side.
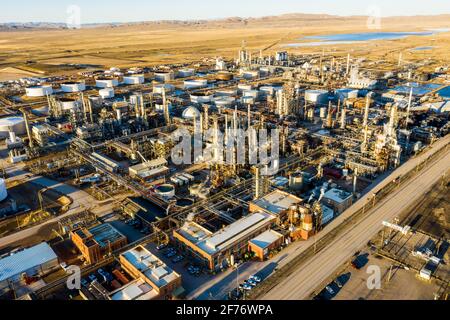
(329, 290)
(161, 247)
(106, 275)
(92, 278)
(256, 279)
(247, 287)
(177, 259)
(84, 283)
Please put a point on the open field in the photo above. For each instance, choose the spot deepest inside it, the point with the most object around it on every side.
(157, 43)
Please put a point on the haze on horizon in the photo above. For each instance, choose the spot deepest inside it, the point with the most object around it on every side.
(102, 11)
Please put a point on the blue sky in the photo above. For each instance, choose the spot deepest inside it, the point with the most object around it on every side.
(145, 10)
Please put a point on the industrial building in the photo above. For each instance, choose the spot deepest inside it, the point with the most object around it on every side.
(276, 203)
(338, 200)
(142, 264)
(266, 242)
(97, 242)
(220, 249)
(31, 262)
(149, 169)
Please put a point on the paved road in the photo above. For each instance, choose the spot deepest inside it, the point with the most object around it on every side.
(218, 287)
(302, 282)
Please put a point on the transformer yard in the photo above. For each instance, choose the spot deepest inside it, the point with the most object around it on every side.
(174, 181)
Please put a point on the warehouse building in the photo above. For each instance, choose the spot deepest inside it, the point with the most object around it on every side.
(142, 264)
(97, 242)
(266, 242)
(220, 250)
(35, 261)
(338, 200)
(276, 203)
(149, 169)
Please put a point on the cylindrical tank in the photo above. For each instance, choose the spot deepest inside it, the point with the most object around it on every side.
(317, 96)
(187, 72)
(158, 88)
(39, 91)
(106, 83)
(307, 222)
(224, 102)
(70, 87)
(106, 93)
(296, 181)
(134, 79)
(166, 191)
(14, 124)
(69, 104)
(3, 191)
(323, 112)
(195, 84)
(201, 97)
(164, 76)
(224, 76)
(185, 202)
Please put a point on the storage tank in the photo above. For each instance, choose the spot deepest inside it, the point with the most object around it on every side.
(345, 94)
(323, 112)
(106, 83)
(190, 113)
(164, 76)
(224, 76)
(14, 124)
(195, 84)
(251, 93)
(317, 96)
(39, 91)
(166, 191)
(70, 87)
(107, 93)
(296, 181)
(224, 102)
(187, 72)
(198, 97)
(3, 191)
(68, 104)
(134, 79)
(158, 88)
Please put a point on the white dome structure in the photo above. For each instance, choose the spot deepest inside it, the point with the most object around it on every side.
(39, 91)
(190, 113)
(14, 124)
(3, 191)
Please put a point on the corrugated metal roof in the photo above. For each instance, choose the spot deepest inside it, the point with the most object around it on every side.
(25, 260)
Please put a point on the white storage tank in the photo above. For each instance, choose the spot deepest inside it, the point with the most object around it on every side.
(323, 112)
(106, 83)
(158, 88)
(344, 94)
(249, 75)
(251, 93)
(201, 98)
(14, 124)
(190, 113)
(195, 84)
(164, 76)
(67, 104)
(224, 102)
(39, 91)
(166, 191)
(187, 72)
(244, 87)
(134, 79)
(70, 87)
(3, 191)
(317, 96)
(107, 93)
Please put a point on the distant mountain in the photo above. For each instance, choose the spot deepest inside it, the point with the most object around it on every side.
(230, 21)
